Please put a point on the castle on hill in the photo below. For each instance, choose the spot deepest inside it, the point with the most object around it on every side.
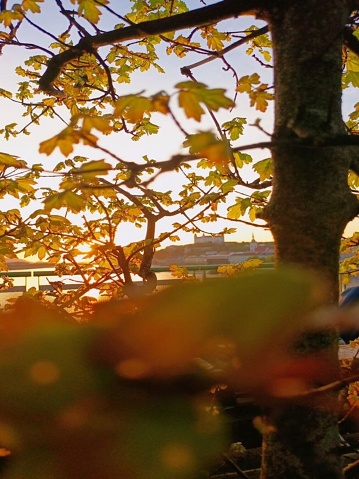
(218, 239)
(213, 250)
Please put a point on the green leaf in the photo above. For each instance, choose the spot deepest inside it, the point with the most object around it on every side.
(229, 185)
(176, 438)
(234, 127)
(264, 168)
(215, 98)
(65, 199)
(353, 62)
(189, 101)
(257, 314)
(351, 77)
(235, 211)
(190, 85)
(239, 208)
(242, 159)
(191, 94)
(90, 10)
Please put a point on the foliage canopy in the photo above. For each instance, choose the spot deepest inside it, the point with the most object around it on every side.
(76, 96)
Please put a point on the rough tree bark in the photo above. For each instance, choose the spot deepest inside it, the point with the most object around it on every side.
(309, 208)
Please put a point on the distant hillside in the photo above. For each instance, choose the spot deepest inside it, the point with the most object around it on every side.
(17, 263)
(177, 254)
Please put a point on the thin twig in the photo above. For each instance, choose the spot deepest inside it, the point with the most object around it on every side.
(238, 470)
(221, 53)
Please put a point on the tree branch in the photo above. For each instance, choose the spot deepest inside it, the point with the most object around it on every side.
(350, 40)
(354, 165)
(194, 18)
(221, 53)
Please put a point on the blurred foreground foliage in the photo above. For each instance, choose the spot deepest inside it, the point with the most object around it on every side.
(126, 394)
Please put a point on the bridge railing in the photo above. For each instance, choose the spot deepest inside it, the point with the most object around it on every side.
(41, 278)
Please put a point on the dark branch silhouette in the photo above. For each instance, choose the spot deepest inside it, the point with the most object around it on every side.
(194, 18)
(350, 40)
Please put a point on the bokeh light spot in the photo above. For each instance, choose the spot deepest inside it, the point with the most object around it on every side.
(44, 372)
(4, 452)
(133, 368)
(177, 456)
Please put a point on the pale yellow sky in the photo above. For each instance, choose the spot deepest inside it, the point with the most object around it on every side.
(159, 147)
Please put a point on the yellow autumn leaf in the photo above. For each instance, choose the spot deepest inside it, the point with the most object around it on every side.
(64, 141)
(31, 5)
(260, 97)
(206, 144)
(132, 107)
(41, 253)
(217, 153)
(92, 169)
(65, 199)
(197, 142)
(215, 42)
(90, 10)
(10, 160)
(245, 83)
(97, 122)
(137, 109)
(160, 103)
(88, 138)
(193, 94)
(25, 185)
(190, 104)
(8, 16)
(49, 101)
(253, 213)
(234, 211)
(215, 98)
(267, 56)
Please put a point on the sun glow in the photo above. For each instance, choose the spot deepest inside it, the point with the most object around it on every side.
(85, 248)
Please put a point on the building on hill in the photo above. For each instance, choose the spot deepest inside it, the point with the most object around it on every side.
(208, 249)
(256, 250)
(208, 239)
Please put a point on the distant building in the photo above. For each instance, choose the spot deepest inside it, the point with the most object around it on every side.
(253, 245)
(255, 250)
(217, 259)
(208, 239)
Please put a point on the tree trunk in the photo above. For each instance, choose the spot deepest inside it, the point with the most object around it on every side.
(309, 208)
